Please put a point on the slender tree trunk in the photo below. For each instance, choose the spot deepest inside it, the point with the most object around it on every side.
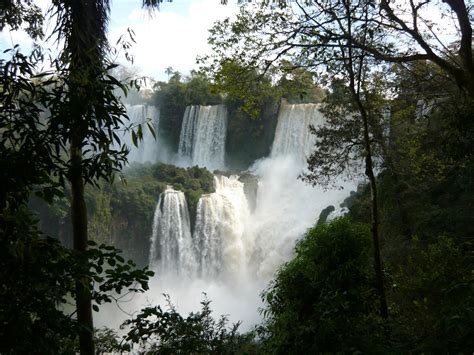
(79, 225)
(369, 172)
(84, 43)
(356, 78)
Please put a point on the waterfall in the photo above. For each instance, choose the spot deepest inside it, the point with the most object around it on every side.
(292, 135)
(171, 247)
(147, 149)
(217, 248)
(188, 129)
(220, 223)
(233, 252)
(202, 137)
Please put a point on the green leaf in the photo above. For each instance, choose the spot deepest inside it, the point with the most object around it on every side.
(134, 139)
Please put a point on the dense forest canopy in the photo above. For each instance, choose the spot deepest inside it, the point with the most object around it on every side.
(394, 81)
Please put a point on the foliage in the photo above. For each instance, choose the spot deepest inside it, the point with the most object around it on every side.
(245, 84)
(266, 34)
(299, 85)
(167, 332)
(37, 284)
(252, 99)
(323, 299)
(340, 146)
(56, 126)
(249, 138)
(35, 274)
(252, 102)
(34, 269)
(173, 96)
(325, 213)
(25, 141)
(434, 297)
(106, 340)
(253, 87)
(22, 14)
(121, 214)
(192, 181)
(430, 275)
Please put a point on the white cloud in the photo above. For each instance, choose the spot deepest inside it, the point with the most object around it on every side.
(170, 37)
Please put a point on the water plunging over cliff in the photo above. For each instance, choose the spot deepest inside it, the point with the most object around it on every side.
(220, 222)
(147, 150)
(202, 137)
(292, 135)
(233, 252)
(171, 245)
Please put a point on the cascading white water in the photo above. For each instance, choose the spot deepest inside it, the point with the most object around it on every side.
(202, 137)
(171, 250)
(339, 212)
(286, 206)
(147, 150)
(187, 134)
(292, 135)
(220, 222)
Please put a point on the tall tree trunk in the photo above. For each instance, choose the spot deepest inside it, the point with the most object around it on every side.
(79, 225)
(369, 172)
(85, 44)
(355, 66)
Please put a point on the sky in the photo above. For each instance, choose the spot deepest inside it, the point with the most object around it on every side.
(172, 36)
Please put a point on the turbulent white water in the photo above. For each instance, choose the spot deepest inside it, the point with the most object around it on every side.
(216, 249)
(338, 212)
(220, 223)
(171, 245)
(148, 150)
(202, 137)
(292, 135)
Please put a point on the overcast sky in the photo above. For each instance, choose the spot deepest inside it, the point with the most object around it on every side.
(170, 37)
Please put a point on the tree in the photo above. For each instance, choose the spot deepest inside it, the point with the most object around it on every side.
(78, 134)
(322, 300)
(400, 33)
(424, 39)
(168, 332)
(29, 303)
(320, 36)
(91, 111)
